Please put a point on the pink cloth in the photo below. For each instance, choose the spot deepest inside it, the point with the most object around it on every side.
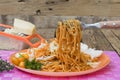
(110, 72)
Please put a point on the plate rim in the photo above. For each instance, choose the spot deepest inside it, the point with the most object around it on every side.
(63, 74)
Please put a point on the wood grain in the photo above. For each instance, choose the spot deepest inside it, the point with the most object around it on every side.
(95, 38)
(51, 21)
(47, 33)
(60, 7)
(116, 32)
(111, 37)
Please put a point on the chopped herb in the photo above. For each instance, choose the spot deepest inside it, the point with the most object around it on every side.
(34, 65)
(5, 66)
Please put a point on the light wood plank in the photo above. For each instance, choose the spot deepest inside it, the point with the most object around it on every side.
(46, 33)
(95, 39)
(88, 37)
(116, 32)
(111, 37)
(61, 7)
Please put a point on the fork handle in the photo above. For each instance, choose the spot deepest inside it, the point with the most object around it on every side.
(110, 24)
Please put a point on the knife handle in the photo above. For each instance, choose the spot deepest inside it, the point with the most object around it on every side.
(110, 24)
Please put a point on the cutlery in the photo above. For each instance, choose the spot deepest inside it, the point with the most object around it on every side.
(103, 24)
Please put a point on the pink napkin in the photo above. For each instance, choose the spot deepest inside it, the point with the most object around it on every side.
(110, 72)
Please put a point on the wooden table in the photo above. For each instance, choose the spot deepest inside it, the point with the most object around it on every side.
(61, 7)
(103, 39)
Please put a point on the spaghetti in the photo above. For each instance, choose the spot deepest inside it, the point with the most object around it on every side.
(67, 58)
(63, 53)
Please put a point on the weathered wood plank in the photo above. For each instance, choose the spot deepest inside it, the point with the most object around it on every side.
(51, 21)
(8, 1)
(11, 8)
(88, 37)
(95, 39)
(116, 32)
(46, 33)
(101, 42)
(61, 7)
(111, 37)
(39, 21)
(115, 1)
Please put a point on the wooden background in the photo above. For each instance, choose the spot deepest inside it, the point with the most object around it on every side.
(61, 7)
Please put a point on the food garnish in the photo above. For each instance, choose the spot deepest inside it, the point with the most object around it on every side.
(5, 65)
(34, 65)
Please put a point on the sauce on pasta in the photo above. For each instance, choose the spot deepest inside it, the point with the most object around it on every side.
(61, 54)
(67, 57)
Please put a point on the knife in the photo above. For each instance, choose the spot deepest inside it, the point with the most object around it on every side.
(103, 24)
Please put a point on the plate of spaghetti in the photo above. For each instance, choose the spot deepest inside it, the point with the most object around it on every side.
(64, 55)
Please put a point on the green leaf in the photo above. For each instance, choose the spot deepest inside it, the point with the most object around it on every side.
(34, 65)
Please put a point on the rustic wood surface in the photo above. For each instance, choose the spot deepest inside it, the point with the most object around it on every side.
(61, 7)
(103, 39)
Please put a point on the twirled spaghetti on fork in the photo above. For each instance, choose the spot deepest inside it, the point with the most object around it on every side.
(63, 53)
(66, 57)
